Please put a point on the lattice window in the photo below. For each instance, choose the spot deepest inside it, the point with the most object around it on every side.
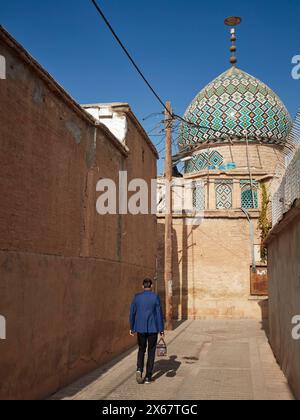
(199, 197)
(249, 195)
(224, 195)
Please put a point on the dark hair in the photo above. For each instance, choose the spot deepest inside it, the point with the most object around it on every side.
(147, 283)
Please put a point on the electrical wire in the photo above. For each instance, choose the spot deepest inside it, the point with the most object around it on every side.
(172, 115)
(161, 151)
(158, 125)
(154, 114)
(160, 142)
(128, 54)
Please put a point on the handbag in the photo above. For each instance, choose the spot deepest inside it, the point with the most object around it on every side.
(161, 348)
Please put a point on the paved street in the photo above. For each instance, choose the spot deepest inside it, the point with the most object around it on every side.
(208, 360)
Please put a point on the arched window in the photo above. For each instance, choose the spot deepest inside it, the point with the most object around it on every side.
(224, 195)
(199, 196)
(249, 194)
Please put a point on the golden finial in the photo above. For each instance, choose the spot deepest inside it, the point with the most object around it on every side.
(233, 21)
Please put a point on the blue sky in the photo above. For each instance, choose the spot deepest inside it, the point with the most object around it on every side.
(180, 46)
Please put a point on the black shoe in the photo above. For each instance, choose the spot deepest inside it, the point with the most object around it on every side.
(139, 377)
(148, 380)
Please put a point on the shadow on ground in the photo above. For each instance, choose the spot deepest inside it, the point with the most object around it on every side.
(166, 367)
(83, 382)
(264, 307)
(177, 324)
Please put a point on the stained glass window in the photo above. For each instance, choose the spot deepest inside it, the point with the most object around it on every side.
(224, 195)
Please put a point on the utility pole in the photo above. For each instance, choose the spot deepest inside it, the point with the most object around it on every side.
(169, 219)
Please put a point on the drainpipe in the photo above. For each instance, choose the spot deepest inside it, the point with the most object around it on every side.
(251, 239)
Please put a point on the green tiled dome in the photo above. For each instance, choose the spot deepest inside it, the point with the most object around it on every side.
(236, 104)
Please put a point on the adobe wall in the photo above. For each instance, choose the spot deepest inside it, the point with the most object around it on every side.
(67, 275)
(284, 303)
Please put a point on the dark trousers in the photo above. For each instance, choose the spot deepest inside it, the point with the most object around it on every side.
(145, 340)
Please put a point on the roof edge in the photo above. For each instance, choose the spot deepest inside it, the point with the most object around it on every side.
(56, 88)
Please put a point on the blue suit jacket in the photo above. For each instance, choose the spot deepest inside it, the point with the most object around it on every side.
(146, 313)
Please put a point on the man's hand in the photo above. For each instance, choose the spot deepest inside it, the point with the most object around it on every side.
(131, 333)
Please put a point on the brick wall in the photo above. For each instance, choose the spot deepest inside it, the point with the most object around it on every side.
(67, 275)
(211, 269)
(284, 305)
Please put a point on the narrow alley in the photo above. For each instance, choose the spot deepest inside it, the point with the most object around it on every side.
(207, 360)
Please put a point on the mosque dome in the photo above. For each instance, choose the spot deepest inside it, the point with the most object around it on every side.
(236, 105)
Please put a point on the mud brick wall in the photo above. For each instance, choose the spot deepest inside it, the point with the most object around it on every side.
(284, 271)
(67, 275)
(211, 269)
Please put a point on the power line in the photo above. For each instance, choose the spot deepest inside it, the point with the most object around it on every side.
(154, 114)
(160, 142)
(173, 116)
(157, 126)
(127, 53)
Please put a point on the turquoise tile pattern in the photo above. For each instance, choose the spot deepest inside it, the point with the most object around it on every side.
(224, 195)
(236, 105)
(204, 161)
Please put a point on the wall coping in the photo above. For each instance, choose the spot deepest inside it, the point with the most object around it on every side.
(288, 218)
(58, 90)
(215, 214)
(232, 173)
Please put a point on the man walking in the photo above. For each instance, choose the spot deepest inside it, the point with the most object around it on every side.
(146, 319)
